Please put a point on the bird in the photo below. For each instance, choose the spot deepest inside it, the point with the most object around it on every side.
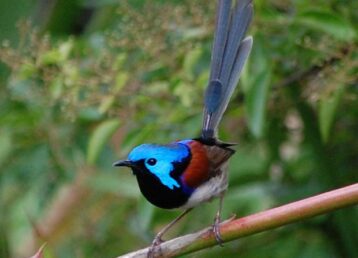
(186, 173)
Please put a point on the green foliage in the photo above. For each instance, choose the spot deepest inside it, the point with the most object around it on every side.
(99, 138)
(328, 22)
(78, 94)
(327, 110)
(257, 89)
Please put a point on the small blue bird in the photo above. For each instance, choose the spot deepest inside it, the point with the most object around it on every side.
(185, 173)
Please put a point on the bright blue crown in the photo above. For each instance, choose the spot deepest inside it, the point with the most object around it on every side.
(165, 156)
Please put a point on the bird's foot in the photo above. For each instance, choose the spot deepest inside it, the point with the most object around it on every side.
(216, 230)
(152, 249)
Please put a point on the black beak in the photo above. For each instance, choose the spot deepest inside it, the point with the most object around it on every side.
(123, 163)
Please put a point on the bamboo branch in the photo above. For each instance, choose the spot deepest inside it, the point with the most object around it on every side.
(259, 222)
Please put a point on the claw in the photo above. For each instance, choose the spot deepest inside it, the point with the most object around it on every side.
(216, 231)
(158, 238)
(156, 242)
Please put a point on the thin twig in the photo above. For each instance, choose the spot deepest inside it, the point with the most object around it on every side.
(301, 75)
(259, 222)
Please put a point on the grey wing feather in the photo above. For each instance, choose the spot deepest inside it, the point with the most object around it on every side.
(229, 55)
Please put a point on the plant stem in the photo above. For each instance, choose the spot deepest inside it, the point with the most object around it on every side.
(259, 222)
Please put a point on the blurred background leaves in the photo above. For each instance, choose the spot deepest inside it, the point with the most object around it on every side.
(82, 82)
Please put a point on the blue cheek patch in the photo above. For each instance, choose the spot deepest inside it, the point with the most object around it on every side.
(162, 170)
(165, 156)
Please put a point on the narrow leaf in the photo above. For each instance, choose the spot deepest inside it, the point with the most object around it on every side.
(190, 61)
(99, 138)
(256, 101)
(329, 23)
(257, 87)
(327, 111)
(6, 145)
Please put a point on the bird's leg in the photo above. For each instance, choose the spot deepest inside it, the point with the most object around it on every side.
(158, 238)
(217, 220)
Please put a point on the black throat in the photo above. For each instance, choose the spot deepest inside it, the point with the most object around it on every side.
(160, 195)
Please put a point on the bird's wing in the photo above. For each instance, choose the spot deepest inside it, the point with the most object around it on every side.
(229, 53)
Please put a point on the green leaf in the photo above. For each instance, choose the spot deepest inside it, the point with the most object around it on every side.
(330, 23)
(193, 33)
(327, 111)
(106, 104)
(190, 61)
(6, 145)
(57, 55)
(27, 70)
(120, 81)
(90, 114)
(124, 185)
(185, 93)
(56, 88)
(257, 96)
(99, 138)
(120, 61)
(257, 87)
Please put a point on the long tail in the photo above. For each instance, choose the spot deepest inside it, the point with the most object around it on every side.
(229, 54)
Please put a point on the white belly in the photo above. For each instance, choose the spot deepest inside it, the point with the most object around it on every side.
(210, 189)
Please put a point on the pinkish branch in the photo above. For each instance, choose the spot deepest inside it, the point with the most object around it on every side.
(262, 221)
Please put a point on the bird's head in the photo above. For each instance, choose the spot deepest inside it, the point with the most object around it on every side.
(160, 161)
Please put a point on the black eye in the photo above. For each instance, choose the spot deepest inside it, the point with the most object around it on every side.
(151, 162)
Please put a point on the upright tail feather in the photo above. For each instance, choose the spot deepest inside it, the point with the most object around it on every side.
(229, 54)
